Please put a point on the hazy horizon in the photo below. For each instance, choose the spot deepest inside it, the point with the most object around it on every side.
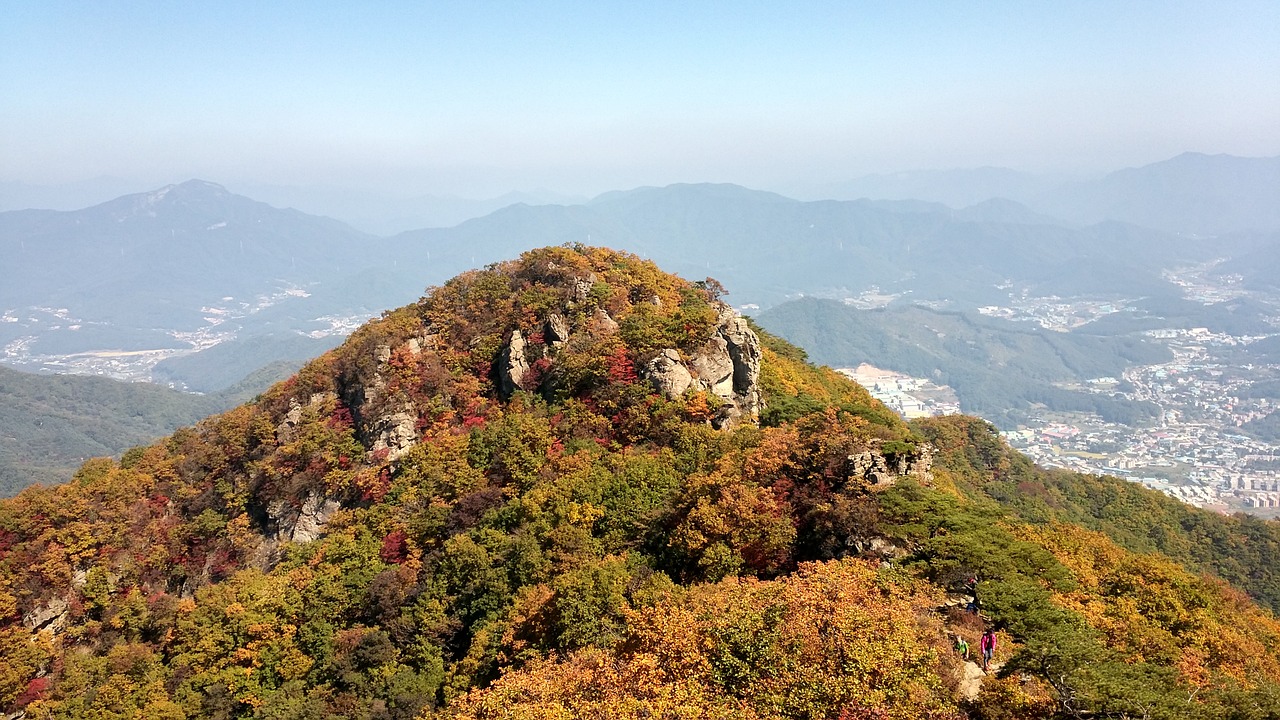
(473, 101)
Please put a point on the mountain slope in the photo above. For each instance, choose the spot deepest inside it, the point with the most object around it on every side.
(50, 424)
(572, 484)
(998, 368)
(53, 424)
(1239, 548)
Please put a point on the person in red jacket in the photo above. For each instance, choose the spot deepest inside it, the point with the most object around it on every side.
(988, 647)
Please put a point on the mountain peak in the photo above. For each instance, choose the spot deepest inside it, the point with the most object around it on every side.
(199, 195)
(528, 492)
(204, 186)
(186, 190)
(701, 191)
(567, 308)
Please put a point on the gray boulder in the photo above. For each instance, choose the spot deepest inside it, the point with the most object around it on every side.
(513, 364)
(668, 374)
(556, 329)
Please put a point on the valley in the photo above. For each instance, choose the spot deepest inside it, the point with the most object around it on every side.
(1197, 451)
(1198, 447)
(222, 322)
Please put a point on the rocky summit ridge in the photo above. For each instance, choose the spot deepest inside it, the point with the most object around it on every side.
(573, 485)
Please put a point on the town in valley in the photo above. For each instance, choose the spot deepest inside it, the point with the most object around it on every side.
(1199, 450)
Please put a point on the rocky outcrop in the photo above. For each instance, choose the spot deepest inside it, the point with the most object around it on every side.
(292, 418)
(286, 522)
(727, 367)
(396, 434)
(918, 465)
(51, 616)
(744, 349)
(556, 330)
(604, 322)
(517, 356)
(582, 287)
(512, 364)
(714, 366)
(873, 468)
(668, 374)
(305, 522)
(878, 547)
(393, 430)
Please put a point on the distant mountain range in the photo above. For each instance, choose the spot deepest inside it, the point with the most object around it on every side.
(380, 213)
(771, 248)
(1192, 193)
(189, 266)
(179, 268)
(957, 187)
(166, 259)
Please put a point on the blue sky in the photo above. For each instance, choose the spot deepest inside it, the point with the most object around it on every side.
(477, 98)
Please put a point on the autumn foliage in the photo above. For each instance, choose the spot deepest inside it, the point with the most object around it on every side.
(393, 533)
(836, 639)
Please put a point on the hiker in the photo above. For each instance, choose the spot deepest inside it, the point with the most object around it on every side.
(988, 647)
(962, 647)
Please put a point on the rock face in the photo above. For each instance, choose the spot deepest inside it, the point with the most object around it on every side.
(284, 431)
(920, 466)
(556, 330)
(582, 287)
(426, 341)
(668, 374)
(604, 322)
(874, 468)
(744, 350)
(513, 364)
(870, 466)
(714, 366)
(878, 547)
(51, 616)
(396, 433)
(305, 523)
(727, 367)
(393, 431)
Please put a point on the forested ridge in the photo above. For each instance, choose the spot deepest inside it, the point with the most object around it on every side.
(998, 368)
(572, 485)
(49, 424)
